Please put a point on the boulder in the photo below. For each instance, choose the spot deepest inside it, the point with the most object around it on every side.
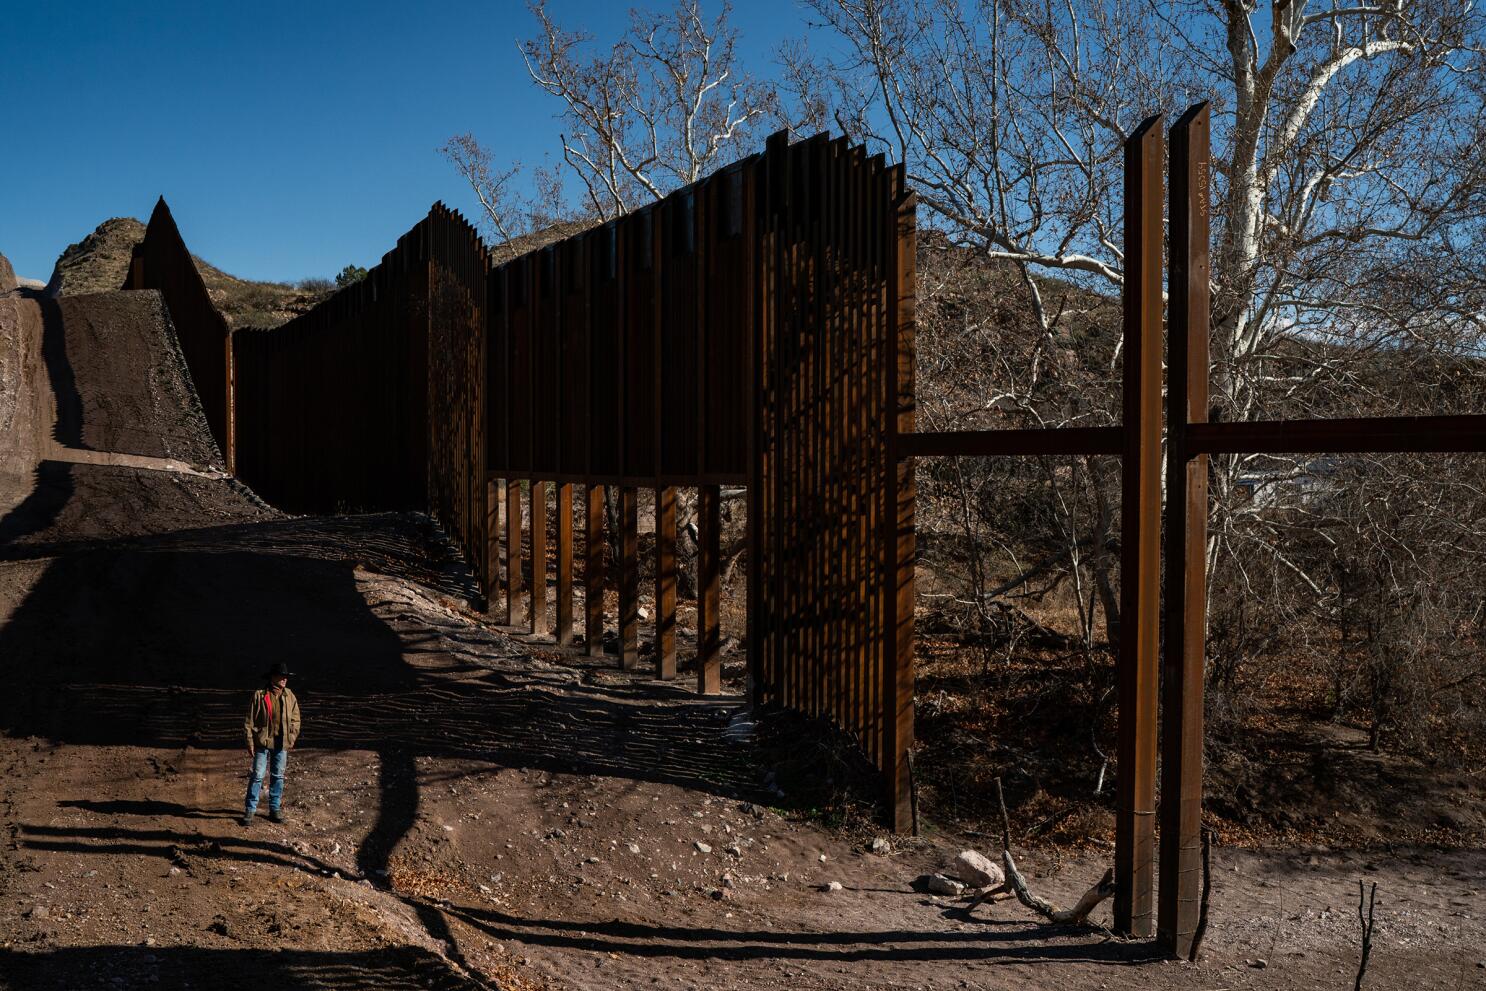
(938, 884)
(978, 870)
(7, 275)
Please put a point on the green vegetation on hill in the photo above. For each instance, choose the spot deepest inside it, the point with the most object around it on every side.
(246, 303)
(350, 274)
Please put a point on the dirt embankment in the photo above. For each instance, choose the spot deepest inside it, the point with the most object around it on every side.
(21, 383)
(104, 434)
(122, 384)
(248, 303)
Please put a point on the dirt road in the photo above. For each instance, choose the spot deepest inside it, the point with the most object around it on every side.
(461, 808)
(467, 809)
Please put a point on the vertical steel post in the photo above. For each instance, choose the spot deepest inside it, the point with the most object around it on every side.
(1186, 538)
(513, 548)
(898, 546)
(1140, 532)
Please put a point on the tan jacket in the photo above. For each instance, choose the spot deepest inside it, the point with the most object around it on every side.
(261, 731)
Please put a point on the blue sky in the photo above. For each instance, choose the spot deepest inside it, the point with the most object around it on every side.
(289, 139)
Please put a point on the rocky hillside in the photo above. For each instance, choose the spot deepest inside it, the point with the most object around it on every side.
(504, 251)
(100, 263)
(246, 303)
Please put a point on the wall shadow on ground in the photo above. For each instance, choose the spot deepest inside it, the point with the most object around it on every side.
(1010, 942)
(158, 642)
(393, 969)
(68, 428)
(52, 489)
(168, 845)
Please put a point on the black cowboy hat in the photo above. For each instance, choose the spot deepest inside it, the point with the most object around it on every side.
(279, 670)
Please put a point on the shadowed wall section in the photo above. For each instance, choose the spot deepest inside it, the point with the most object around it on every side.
(374, 400)
(831, 610)
(162, 262)
(754, 328)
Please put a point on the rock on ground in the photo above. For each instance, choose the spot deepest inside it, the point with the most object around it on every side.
(938, 884)
(978, 870)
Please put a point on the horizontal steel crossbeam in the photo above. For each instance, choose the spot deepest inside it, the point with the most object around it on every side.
(1358, 435)
(998, 443)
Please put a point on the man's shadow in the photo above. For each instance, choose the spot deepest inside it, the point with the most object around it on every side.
(152, 809)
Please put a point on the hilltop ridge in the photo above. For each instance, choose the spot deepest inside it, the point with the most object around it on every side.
(100, 263)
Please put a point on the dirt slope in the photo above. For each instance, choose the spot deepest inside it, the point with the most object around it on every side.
(248, 303)
(21, 380)
(104, 435)
(129, 388)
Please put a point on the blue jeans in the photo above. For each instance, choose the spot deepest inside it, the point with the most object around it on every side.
(261, 766)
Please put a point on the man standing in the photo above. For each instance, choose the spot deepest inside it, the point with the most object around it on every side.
(272, 727)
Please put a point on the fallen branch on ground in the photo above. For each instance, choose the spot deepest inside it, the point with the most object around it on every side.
(1207, 890)
(1016, 884)
(999, 893)
(1367, 897)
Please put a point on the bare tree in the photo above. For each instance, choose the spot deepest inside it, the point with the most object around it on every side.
(1350, 189)
(657, 109)
(667, 103)
(1349, 185)
(1345, 133)
(662, 106)
(517, 206)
